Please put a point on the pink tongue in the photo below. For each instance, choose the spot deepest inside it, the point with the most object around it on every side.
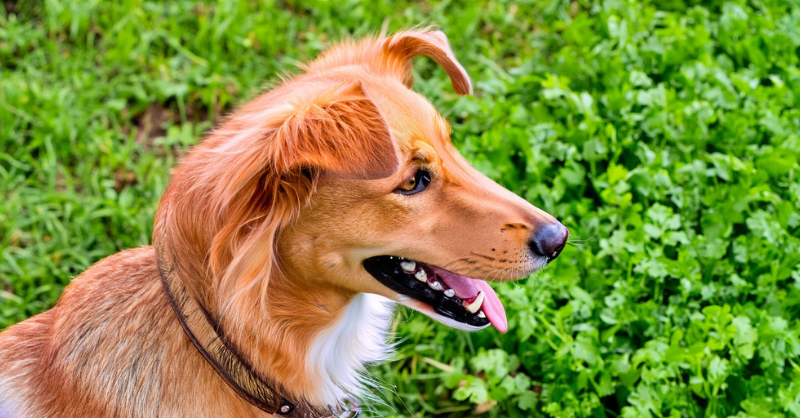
(468, 288)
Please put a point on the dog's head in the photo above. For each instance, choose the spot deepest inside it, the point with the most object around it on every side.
(343, 180)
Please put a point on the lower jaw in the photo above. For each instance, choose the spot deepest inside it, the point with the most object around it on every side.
(430, 312)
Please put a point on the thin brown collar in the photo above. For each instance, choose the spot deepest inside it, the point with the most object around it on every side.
(224, 357)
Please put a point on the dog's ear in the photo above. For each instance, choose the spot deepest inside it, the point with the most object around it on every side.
(342, 132)
(393, 55)
(432, 44)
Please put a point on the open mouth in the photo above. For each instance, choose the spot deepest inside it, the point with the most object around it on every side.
(462, 299)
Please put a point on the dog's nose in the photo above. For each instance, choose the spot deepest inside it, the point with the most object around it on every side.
(549, 240)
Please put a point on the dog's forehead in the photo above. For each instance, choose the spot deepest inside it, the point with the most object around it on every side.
(415, 123)
(419, 130)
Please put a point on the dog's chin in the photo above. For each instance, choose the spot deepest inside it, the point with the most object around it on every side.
(457, 301)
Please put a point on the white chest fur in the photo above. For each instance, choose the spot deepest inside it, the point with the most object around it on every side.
(339, 354)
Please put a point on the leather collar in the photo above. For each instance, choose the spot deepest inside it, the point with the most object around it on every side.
(224, 357)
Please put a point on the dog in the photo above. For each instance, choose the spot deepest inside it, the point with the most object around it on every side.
(280, 248)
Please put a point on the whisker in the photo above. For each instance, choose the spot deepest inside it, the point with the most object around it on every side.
(499, 271)
(572, 238)
(486, 278)
(501, 274)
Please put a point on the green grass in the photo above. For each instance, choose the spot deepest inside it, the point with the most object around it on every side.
(664, 134)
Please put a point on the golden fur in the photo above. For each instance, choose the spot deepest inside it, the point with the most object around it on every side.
(269, 219)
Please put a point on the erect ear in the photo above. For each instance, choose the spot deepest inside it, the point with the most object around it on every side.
(432, 44)
(341, 131)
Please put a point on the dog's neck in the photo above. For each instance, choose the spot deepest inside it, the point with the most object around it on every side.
(306, 336)
(338, 355)
(315, 350)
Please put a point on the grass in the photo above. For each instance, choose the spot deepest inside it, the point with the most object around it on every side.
(663, 133)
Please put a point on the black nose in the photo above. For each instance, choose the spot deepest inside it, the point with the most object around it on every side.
(549, 240)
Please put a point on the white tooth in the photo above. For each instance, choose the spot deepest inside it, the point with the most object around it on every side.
(481, 314)
(474, 306)
(435, 285)
(449, 293)
(408, 265)
(421, 276)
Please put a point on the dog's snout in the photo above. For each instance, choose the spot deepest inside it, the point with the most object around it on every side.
(549, 240)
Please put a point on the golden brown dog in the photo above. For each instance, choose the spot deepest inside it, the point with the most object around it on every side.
(278, 248)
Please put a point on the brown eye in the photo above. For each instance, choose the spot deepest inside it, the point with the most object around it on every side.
(409, 184)
(415, 184)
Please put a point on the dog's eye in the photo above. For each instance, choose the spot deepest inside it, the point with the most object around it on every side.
(415, 184)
